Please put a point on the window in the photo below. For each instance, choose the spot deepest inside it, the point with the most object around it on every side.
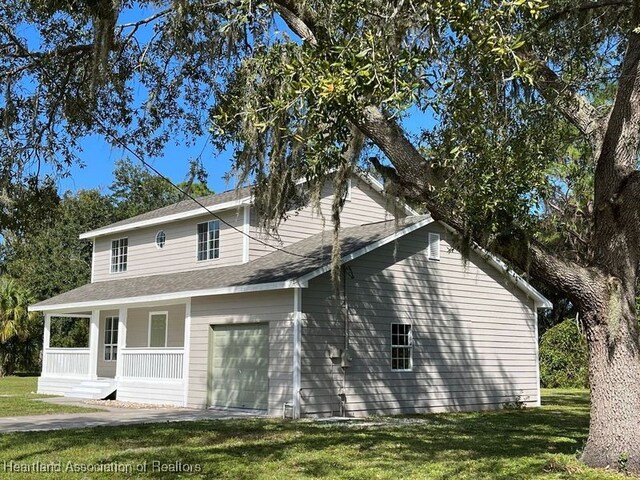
(111, 339)
(160, 239)
(208, 240)
(119, 249)
(158, 323)
(401, 346)
(434, 246)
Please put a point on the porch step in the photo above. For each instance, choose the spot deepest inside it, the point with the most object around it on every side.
(93, 389)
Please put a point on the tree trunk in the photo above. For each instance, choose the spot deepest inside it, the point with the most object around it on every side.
(614, 371)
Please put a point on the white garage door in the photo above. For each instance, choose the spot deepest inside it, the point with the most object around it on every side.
(239, 366)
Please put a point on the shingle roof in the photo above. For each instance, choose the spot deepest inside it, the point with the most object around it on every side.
(186, 206)
(299, 259)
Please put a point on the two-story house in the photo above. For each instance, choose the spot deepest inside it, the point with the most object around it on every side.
(197, 307)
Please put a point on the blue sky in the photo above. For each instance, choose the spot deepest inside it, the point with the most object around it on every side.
(98, 157)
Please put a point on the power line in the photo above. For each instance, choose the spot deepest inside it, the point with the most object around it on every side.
(147, 165)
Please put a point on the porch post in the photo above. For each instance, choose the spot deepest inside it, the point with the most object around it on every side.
(186, 349)
(297, 349)
(46, 342)
(122, 340)
(94, 336)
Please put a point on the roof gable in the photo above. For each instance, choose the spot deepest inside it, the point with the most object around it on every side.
(192, 208)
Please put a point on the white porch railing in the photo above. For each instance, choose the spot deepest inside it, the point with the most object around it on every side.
(66, 362)
(152, 363)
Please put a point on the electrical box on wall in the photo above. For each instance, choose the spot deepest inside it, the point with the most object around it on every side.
(335, 353)
(345, 359)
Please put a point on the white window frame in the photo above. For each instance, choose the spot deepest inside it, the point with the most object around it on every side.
(164, 239)
(166, 328)
(111, 347)
(120, 265)
(409, 347)
(216, 251)
(434, 240)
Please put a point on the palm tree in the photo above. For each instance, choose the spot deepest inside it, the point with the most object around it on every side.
(16, 322)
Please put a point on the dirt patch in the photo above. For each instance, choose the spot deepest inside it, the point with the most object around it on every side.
(135, 405)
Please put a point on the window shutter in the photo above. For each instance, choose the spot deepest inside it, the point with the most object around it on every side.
(434, 246)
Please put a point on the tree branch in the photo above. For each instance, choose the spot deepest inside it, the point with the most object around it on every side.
(415, 176)
(575, 107)
(587, 6)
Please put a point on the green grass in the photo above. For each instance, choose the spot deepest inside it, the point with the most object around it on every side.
(513, 444)
(18, 398)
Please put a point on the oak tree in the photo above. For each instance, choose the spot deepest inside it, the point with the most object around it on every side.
(517, 153)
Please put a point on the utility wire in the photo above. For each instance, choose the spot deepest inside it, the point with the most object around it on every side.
(147, 165)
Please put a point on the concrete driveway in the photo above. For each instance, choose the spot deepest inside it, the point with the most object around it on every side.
(114, 417)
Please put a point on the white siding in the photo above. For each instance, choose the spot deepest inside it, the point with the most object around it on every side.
(179, 252)
(154, 392)
(474, 334)
(365, 206)
(274, 308)
(57, 386)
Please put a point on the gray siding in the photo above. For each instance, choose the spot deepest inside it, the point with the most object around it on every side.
(138, 325)
(474, 334)
(274, 308)
(364, 206)
(179, 252)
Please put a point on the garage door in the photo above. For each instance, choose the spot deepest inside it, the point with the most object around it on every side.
(239, 366)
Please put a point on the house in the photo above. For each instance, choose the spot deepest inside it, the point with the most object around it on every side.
(199, 308)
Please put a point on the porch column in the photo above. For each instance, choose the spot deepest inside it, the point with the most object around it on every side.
(94, 344)
(186, 350)
(122, 340)
(46, 342)
(297, 349)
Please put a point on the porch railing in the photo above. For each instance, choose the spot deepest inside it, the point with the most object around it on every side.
(154, 363)
(66, 362)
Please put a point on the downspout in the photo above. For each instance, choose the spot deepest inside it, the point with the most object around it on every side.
(537, 340)
(297, 349)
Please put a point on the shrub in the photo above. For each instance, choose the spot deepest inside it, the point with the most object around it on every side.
(563, 357)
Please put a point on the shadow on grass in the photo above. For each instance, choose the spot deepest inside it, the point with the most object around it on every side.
(501, 445)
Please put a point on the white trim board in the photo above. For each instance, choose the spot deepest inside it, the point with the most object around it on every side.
(164, 219)
(248, 200)
(175, 297)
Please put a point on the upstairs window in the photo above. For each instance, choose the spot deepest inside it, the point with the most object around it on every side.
(119, 251)
(161, 238)
(208, 240)
(401, 347)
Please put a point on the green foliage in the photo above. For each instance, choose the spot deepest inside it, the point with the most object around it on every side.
(136, 190)
(17, 325)
(563, 357)
(53, 259)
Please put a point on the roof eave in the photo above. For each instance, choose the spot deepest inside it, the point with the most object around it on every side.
(165, 218)
(165, 297)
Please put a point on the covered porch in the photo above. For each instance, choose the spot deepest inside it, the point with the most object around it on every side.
(134, 353)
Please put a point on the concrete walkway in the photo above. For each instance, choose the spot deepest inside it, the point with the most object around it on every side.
(113, 417)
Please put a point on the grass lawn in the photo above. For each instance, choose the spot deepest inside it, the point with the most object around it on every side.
(17, 398)
(514, 444)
